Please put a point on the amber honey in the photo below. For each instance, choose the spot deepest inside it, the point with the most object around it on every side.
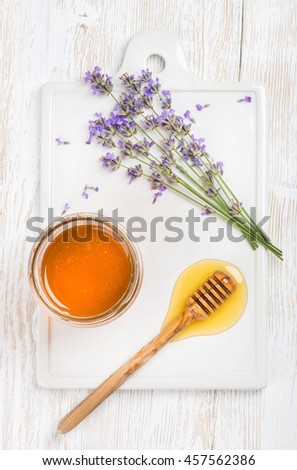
(85, 271)
(221, 319)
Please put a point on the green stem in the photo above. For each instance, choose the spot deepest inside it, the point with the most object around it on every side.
(224, 185)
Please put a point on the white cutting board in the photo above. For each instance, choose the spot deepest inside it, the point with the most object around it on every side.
(235, 134)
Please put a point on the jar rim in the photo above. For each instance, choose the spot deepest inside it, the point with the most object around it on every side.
(122, 304)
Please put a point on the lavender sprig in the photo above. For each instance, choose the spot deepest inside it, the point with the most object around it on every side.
(144, 126)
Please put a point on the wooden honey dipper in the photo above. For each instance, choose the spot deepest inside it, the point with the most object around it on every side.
(207, 298)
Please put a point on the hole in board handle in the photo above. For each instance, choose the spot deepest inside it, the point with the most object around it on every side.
(155, 63)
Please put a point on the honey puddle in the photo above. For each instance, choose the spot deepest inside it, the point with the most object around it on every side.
(221, 319)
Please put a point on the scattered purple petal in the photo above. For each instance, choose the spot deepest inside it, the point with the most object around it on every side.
(66, 208)
(85, 194)
(246, 99)
(199, 107)
(61, 142)
(158, 194)
(91, 188)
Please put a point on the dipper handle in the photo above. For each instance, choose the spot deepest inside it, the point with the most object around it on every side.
(204, 301)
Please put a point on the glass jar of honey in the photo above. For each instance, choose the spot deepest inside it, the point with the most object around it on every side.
(85, 270)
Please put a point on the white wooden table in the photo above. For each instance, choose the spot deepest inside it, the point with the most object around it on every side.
(232, 40)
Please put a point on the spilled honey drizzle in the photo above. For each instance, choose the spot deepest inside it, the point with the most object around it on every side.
(221, 319)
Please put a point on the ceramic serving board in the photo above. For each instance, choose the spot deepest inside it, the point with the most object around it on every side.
(235, 134)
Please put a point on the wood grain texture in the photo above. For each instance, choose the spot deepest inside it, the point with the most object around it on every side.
(226, 40)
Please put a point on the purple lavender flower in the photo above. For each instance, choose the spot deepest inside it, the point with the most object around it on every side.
(199, 141)
(183, 148)
(115, 121)
(110, 127)
(66, 208)
(137, 107)
(147, 98)
(145, 75)
(61, 142)
(187, 115)
(212, 191)
(101, 84)
(135, 172)
(207, 211)
(168, 120)
(216, 168)
(192, 151)
(207, 179)
(157, 181)
(168, 160)
(166, 117)
(126, 148)
(126, 101)
(153, 86)
(132, 105)
(196, 161)
(177, 125)
(151, 122)
(165, 98)
(169, 143)
(88, 76)
(155, 167)
(127, 128)
(246, 99)
(185, 129)
(173, 123)
(85, 195)
(235, 207)
(105, 141)
(127, 79)
(111, 161)
(143, 147)
(131, 83)
(96, 127)
(220, 167)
